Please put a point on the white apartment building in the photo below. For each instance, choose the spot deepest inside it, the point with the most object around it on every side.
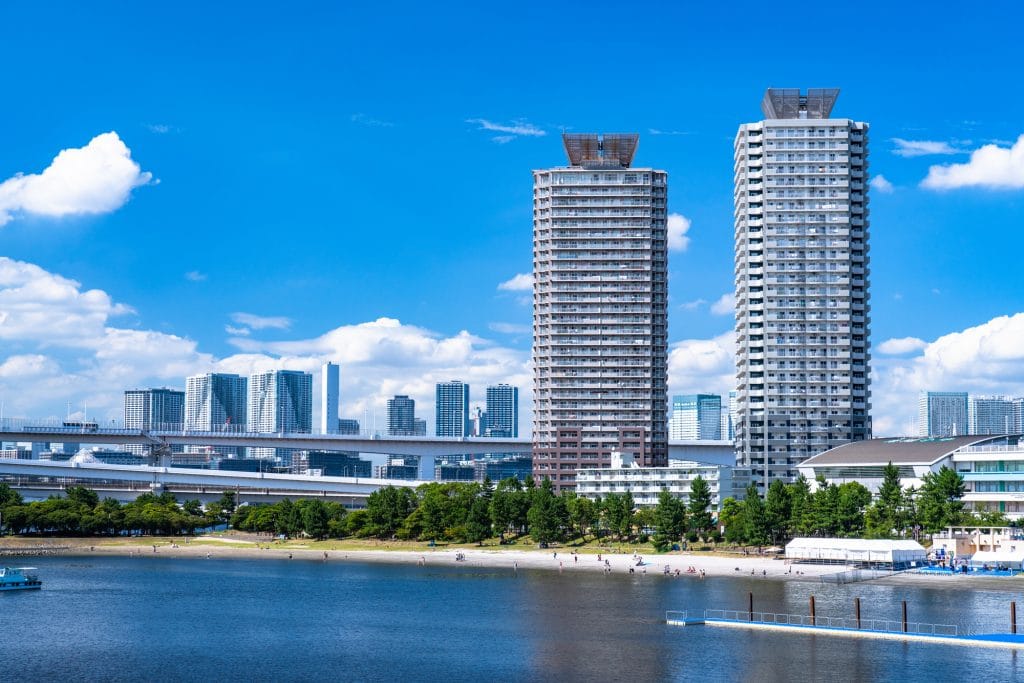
(215, 402)
(600, 345)
(942, 413)
(645, 483)
(279, 401)
(802, 299)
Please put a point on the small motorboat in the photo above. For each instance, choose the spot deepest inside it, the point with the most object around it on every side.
(15, 579)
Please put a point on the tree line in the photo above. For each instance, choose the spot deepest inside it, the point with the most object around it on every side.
(848, 509)
(473, 512)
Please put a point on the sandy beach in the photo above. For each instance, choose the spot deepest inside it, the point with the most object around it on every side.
(557, 560)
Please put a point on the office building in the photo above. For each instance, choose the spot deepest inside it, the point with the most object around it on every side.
(401, 416)
(802, 294)
(497, 468)
(333, 464)
(279, 401)
(216, 402)
(400, 467)
(348, 427)
(993, 415)
(600, 347)
(419, 427)
(942, 413)
(452, 409)
(478, 422)
(156, 409)
(329, 388)
(696, 416)
(502, 411)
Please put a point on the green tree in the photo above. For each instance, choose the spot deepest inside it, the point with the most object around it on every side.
(887, 516)
(478, 522)
(669, 521)
(386, 510)
(853, 500)
(582, 513)
(939, 503)
(82, 496)
(800, 507)
(543, 514)
(778, 508)
(8, 496)
(731, 518)
(699, 507)
(315, 519)
(755, 520)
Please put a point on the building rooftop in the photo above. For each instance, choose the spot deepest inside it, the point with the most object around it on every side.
(790, 103)
(593, 150)
(898, 451)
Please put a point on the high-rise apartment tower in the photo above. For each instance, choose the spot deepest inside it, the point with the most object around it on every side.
(401, 416)
(942, 413)
(502, 417)
(329, 381)
(599, 309)
(802, 304)
(452, 409)
(280, 401)
(215, 402)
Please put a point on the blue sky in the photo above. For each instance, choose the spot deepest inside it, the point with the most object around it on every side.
(317, 168)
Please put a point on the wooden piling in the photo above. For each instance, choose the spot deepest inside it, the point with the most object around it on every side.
(1013, 616)
(904, 616)
(856, 609)
(814, 621)
(750, 606)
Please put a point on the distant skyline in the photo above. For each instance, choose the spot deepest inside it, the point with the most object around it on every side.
(279, 189)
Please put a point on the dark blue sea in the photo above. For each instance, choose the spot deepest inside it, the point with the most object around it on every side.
(163, 619)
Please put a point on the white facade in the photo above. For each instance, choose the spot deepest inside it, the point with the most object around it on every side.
(645, 483)
(857, 551)
(942, 413)
(994, 474)
(994, 415)
(600, 345)
(279, 401)
(329, 388)
(696, 417)
(802, 299)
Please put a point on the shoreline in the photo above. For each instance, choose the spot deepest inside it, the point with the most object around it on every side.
(554, 560)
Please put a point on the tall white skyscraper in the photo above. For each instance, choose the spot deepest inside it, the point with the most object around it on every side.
(329, 388)
(600, 347)
(802, 299)
(452, 409)
(156, 409)
(279, 401)
(942, 413)
(215, 402)
(993, 415)
(696, 417)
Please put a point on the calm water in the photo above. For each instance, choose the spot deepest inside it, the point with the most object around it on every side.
(163, 619)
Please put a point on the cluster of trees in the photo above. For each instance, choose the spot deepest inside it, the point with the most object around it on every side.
(81, 513)
(847, 510)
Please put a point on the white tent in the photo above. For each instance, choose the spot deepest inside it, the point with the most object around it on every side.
(856, 551)
(998, 558)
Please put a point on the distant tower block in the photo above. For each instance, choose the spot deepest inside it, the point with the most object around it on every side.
(329, 381)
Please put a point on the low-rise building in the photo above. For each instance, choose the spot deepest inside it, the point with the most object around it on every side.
(992, 466)
(645, 483)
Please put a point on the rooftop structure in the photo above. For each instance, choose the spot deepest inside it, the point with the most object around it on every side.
(790, 103)
(591, 150)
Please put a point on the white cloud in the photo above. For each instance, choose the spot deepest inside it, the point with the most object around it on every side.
(262, 322)
(503, 139)
(902, 345)
(514, 128)
(655, 131)
(693, 305)
(237, 331)
(986, 358)
(27, 366)
(521, 282)
(160, 128)
(990, 166)
(69, 349)
(94, 179)
(918, 148)
(882, 184)
(678, 226)
(87, 357)
(195, 276)
(365, 120)
(510, 328)
(703, 365)
(725, 304)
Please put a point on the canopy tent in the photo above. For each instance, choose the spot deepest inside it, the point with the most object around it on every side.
(998, 558)
(859, 551)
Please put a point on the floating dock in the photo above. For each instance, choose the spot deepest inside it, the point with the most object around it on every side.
(945, 634)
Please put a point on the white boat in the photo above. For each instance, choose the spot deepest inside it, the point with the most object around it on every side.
(15, 579)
